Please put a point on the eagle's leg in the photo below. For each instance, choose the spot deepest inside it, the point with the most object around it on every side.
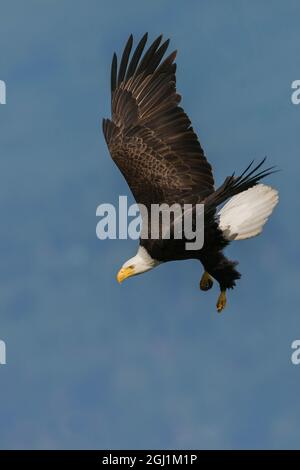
(206, 281)
(221, 303)
(223, 271)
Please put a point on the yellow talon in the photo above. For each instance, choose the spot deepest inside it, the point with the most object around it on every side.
(206, 281)
(221, 301)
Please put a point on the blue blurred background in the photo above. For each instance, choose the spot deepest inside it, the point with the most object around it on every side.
(149, 364)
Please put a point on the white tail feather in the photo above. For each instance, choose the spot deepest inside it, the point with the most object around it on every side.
(245, 214)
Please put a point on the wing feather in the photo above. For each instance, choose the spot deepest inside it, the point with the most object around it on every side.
(136, 57)
(124, 60)
(150, 137)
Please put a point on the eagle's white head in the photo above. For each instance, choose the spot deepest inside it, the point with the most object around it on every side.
(139, 264)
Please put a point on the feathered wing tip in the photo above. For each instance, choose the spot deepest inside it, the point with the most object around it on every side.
(245, 214)
(237, 184)
(250, 178)
(136, 66)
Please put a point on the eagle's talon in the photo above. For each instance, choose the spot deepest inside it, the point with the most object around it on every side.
(221, 304)
(206, 282)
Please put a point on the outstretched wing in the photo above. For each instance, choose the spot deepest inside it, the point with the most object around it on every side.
(150, 137)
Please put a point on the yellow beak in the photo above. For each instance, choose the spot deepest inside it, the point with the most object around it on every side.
(124, 273)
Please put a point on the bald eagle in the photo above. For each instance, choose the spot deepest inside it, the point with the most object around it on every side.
(151, 140)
